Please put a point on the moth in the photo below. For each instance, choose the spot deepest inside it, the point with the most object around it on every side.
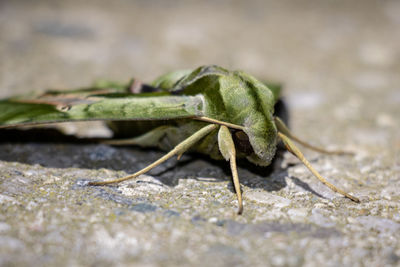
(224, 114)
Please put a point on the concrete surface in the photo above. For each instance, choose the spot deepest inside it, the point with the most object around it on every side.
(339, 61)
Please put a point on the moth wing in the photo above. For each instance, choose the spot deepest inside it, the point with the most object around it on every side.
(85, 104)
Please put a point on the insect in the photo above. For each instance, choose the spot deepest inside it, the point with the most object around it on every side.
(210, 110)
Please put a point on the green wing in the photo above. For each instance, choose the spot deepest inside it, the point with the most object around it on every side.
(103, 102)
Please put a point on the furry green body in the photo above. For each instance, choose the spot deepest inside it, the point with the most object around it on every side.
(233, 97)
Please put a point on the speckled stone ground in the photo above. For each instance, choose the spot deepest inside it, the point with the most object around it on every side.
(339, 62)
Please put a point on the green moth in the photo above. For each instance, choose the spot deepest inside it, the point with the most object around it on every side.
(210, 110)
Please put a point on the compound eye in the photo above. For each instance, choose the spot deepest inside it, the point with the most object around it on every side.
(242, 142)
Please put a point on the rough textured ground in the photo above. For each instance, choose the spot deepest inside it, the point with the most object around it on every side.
(339, 62)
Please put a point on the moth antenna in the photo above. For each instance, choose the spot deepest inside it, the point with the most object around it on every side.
(295, 151)
(285, 130)
(227, 124)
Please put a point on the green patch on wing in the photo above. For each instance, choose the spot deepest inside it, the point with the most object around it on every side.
(49, 109)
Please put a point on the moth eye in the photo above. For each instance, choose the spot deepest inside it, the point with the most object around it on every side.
(63, 107)
(242, 142)
(242, 136)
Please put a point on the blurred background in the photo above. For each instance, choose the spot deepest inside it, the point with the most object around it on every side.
(302, 43)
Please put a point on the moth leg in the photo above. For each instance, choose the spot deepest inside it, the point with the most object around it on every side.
(285, 130)
(227, 148)
(146, 140)
(149, 139)
(295, 151)
(180, 148)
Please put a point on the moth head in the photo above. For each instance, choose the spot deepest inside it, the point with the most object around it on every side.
(250, 103)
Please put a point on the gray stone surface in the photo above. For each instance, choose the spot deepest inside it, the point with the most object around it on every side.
(339, 61)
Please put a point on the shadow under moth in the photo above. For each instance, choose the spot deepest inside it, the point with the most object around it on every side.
(210, 110)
